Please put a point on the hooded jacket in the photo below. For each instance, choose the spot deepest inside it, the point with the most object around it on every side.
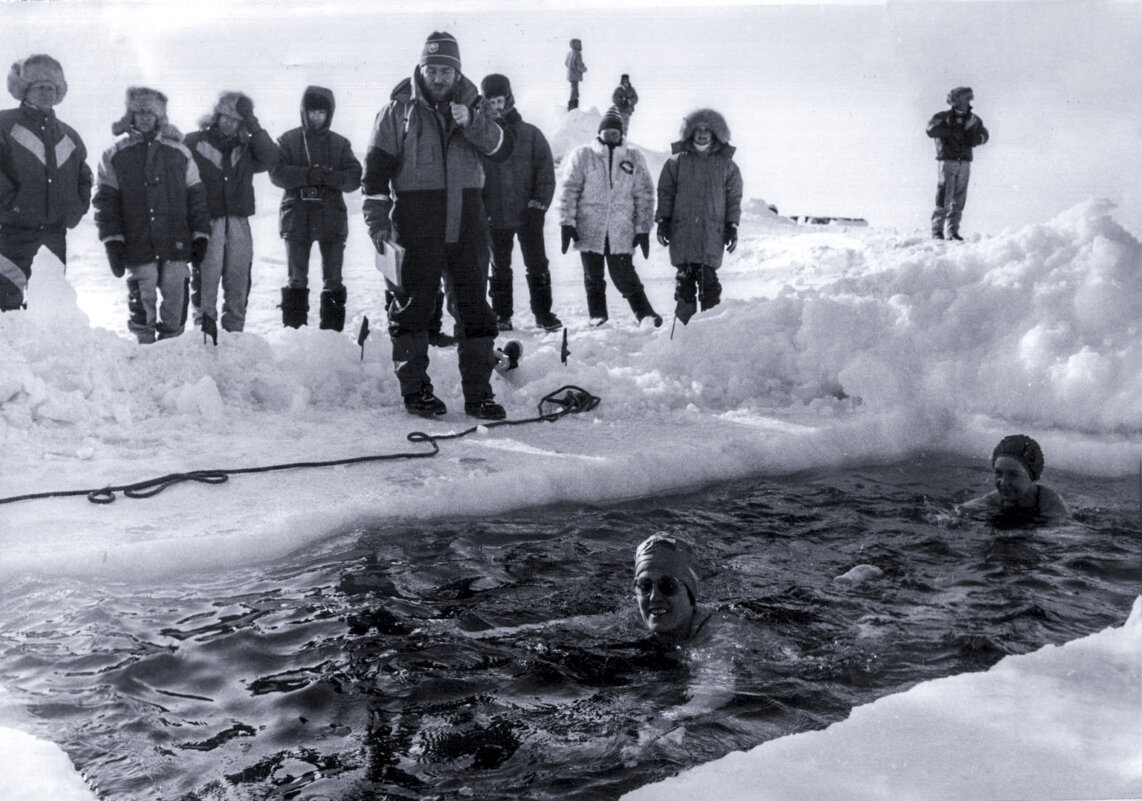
(954, 141)
(607, 195)
(325, 218)
(574, 62)
(44, 177)
(228, 164)
(700, 193)
(433, 167)
(150, 197)
(529, 175)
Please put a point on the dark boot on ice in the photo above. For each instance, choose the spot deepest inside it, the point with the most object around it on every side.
(333, 308)
(485, 409)
(295, 307)
(684, 310)
(597, 306)
(424, 403)
(539, 286)
(640, 305)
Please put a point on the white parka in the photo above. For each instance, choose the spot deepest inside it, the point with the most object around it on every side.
(607, 196)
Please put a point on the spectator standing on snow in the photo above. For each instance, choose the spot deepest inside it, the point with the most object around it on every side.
(699, 208)
(517, 193)
(624, 99)
(229, 148)
(575, 70)
(608, 210)
(45, 183)
(151, 213)
(317, 167)
(423, 186)
(956, 132)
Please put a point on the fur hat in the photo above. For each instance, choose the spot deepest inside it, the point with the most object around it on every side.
(612, 119)
(712, 119)
(496, 85)
(441, 49)
(672, 556)
(40, 68)
(959, 92)
(140, 98)
(1023, 448)
(228, 104)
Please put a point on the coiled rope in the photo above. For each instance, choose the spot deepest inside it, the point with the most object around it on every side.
(551, 407)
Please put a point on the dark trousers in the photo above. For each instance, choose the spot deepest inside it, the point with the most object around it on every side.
(574, 101)
(332, 259)
(534, 261)
(623, 275)
(18, 247)
(698, 282)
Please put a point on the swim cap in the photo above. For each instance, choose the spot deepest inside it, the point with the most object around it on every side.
(1023, 448)
(671, 555)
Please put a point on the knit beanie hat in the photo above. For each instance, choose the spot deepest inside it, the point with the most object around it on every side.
(140, 98)
(960, 91)
(1023, 448)
(671, 555)
(612, 119)
(496, 85)
(441, 49)
(40, 68)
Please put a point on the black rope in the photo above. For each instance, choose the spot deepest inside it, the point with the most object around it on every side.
(550, 408)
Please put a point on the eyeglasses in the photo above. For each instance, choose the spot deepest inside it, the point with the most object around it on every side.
(667, 585)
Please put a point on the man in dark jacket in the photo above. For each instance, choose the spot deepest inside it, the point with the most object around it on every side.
(956, 132)
(624, 99)
(150, 209)
(230, 147)
(518, 193)
(316, 168)
(45, 183)
(425, 167)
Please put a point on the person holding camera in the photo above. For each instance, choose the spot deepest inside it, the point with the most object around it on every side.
(316, 168)
(229, 148)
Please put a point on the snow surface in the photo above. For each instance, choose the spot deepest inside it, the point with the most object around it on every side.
(832, 347)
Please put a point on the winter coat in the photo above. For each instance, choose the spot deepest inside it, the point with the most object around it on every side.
(227, 166)
(574, 62)
(700, 193)
(434, 168)
(529, 175)
(624, 98)
(954, 141)
(44, 177)
(325, 218)
(607, 195)
(149, 196)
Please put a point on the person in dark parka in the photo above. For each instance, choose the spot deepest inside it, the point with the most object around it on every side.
(317, 167)
(956, 131)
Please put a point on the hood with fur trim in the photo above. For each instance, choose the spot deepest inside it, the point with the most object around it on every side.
(318, 97)
(713, 120)
(141, 98)
(40, 68)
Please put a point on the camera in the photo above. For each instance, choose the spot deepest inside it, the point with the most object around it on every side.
(311, 193)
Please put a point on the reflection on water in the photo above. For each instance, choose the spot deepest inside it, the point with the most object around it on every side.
(490, 659)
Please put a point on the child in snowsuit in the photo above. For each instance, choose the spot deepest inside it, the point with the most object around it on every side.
(699, 208)
(956, 132)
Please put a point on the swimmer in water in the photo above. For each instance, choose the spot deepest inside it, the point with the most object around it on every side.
(666, 588)
(1018, 463)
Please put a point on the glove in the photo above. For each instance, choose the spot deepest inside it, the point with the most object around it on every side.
(329, 177)
(663, 235)
(379, 238)
(533, 217)
(730, 236)
(642, 241)
(198, 250)
(315, 176)
(115, 250)
(245, 108)
(569, 233)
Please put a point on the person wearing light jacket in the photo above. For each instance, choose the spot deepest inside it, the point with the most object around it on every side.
(423, 188)
(956, 131)
(575, 70)
(151, 214)
(45, 183)
(607, 209)
(699, 209)
(230, 147)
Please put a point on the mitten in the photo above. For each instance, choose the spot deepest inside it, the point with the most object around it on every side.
(376, 211)
(642, 241)
(329, 177)
(198, 250)
(569, 233)
(313, 176)
(245, 108)
(115, 250)
(663, 235)
(533, 217)
(730, 235)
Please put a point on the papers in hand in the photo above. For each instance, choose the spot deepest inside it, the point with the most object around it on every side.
(391, 262)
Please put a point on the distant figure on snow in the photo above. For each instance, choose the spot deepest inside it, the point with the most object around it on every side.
(45, 183)
(151, 213)
(317, 168)
(1018, 464)
(575, 70)
(607, 209)
(956, 132)
(517, 194)
(229, 148)
(624, 99)
(699, 208)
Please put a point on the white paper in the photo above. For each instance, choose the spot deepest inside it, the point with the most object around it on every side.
(390, 262)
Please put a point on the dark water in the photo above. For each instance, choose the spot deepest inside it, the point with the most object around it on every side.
(493, 659)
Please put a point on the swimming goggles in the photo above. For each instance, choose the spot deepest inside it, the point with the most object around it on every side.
(667, 585)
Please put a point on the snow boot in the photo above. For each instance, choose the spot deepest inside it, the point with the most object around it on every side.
(295, 306)
(642, 309)
(485, 409)
(539, 286)
(424, 403)
(333, 308)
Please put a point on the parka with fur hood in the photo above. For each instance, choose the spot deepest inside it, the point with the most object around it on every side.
(700, 192)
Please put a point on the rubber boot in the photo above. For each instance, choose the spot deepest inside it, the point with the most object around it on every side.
(539, 286)
(333, 308)
(295, 306)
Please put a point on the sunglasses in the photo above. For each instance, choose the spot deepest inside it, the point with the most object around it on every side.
(667, 585)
